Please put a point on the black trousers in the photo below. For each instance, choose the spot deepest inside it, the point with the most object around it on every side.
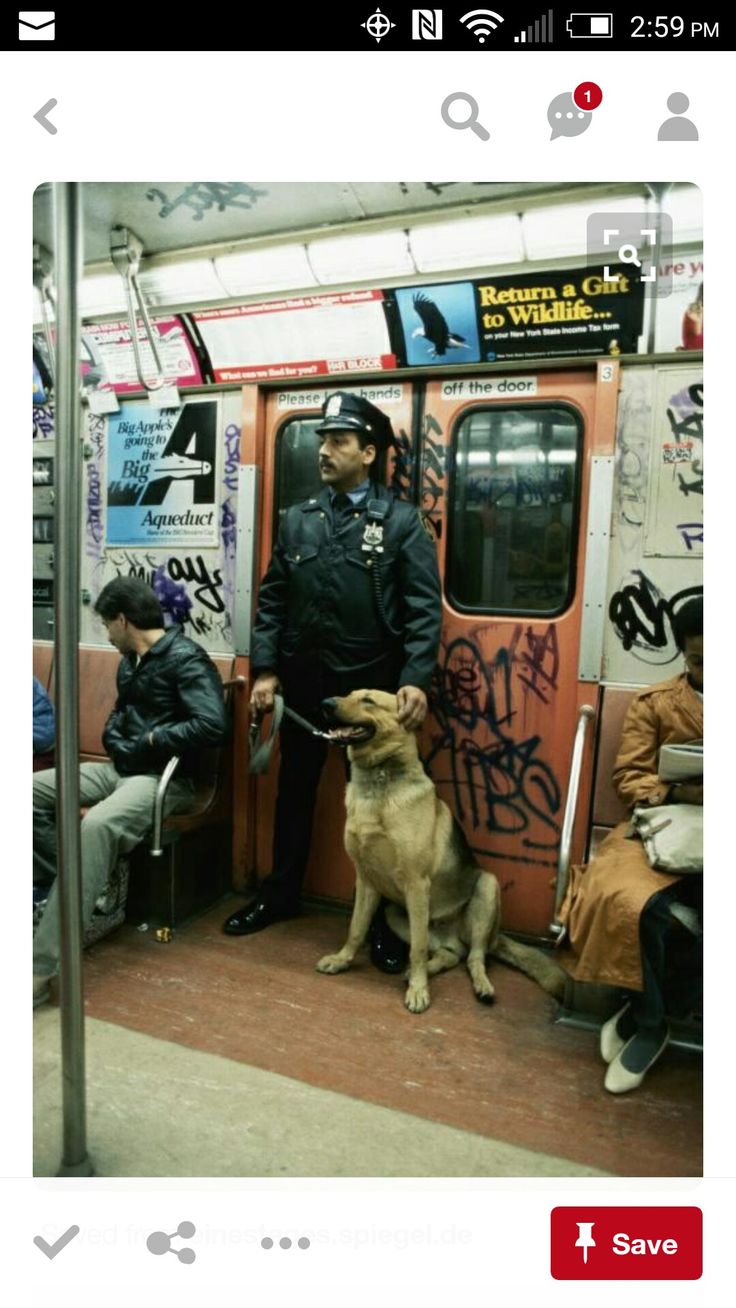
(672, 958)
(302, 760)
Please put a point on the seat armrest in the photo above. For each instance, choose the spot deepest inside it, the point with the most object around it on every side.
(158, 804)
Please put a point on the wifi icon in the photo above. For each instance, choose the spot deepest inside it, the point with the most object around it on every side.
(481, 22)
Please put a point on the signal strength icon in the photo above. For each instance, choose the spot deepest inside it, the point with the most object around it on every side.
(481, 22)
(538, 33)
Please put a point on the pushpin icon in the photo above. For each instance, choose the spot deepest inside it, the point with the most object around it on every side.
(585, 1239)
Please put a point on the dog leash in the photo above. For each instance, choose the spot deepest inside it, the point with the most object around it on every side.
(260, 752)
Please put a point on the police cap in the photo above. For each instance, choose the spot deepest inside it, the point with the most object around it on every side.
(343, 411)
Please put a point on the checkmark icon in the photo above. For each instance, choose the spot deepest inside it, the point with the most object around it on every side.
(51, 1250)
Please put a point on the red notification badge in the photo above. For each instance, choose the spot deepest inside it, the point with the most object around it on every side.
(588, 95)
(627, 1244)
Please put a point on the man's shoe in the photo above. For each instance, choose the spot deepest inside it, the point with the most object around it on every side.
(389, 953)
(616, 1032)
(618, 1077)
(41, 989)
(255, 916)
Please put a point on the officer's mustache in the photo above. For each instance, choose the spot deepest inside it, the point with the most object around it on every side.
(325, 463)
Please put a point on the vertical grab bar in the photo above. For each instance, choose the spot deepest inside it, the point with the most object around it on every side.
(586, 714)
(68, 244)
(125, 251)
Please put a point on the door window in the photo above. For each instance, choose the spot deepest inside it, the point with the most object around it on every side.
(512, 513)
(297, 470)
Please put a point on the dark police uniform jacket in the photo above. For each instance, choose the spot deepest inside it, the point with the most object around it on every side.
(318, 612)
(175, 692)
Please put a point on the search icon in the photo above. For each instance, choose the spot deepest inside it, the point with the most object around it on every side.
(471, 121)
(629, 254)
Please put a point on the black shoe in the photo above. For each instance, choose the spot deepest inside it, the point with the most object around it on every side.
(389, 953)
(255, 917)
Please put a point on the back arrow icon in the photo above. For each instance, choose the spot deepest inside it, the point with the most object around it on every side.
(41, 118)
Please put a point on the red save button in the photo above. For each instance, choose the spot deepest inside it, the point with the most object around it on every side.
(627, 1244)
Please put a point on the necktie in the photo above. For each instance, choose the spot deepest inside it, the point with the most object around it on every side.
(342, 504)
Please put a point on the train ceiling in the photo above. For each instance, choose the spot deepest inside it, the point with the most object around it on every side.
(171, 216)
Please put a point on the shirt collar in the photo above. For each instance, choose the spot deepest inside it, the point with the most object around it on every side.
(355, 495)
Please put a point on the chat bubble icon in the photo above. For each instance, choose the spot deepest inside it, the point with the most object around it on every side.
(565, 118)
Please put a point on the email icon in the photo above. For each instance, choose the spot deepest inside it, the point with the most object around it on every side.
(36, 25)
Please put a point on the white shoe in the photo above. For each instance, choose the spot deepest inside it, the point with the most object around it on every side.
(611, 1042)
(41, 989)
(619, 1079)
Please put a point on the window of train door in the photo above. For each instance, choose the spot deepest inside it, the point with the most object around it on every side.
(502, 482)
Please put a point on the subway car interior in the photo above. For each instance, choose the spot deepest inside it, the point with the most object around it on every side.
(546, 407)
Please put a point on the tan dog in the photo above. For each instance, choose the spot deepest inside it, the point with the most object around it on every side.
(407, 847)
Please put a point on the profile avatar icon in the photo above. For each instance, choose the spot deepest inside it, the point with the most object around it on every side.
(678, 128)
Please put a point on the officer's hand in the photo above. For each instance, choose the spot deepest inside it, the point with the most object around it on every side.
(261, 696)
(412, 704)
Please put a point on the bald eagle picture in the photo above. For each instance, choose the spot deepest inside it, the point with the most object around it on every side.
(435, 328)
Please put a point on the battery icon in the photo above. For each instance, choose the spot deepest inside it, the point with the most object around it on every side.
(591, 26)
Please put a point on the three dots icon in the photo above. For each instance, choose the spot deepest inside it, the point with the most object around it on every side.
(159, 1242)
(285, 1242)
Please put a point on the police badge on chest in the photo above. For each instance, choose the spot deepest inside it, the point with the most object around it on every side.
(373, 537)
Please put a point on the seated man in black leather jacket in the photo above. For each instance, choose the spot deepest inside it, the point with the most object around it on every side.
(170, 701)
(351, 600)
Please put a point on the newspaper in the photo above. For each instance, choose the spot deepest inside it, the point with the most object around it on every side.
(681, 762)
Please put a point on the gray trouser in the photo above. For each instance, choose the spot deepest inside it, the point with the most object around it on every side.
(121, 816)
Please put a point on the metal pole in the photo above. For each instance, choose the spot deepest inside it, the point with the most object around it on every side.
(68, 249)
(658, 191)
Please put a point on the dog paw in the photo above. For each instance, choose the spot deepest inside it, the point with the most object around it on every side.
(417, 999)
(485, 996)
(332, 963)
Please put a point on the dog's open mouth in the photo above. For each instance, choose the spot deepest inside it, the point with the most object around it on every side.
(352, 735)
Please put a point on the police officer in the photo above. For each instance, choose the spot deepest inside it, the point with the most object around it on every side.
(351, 599)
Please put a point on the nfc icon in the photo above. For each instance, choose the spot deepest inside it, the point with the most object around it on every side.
(426, 24)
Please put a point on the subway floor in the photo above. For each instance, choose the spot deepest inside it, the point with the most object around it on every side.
(221, 1056)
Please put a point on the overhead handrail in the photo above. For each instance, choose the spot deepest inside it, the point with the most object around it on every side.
(126, 250)
(43, 280)
(585, 715)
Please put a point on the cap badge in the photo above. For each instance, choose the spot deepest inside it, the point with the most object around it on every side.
(333, 406)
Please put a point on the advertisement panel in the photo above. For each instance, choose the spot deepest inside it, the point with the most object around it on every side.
(161, 475)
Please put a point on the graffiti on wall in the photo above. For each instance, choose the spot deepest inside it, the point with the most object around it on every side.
(675, 522)
(657, 541)
(43, 422)
(642, 617)
(94, 447)
(403, 465)
(189, 590)
(501, 782)
(228, 515)
(632, 460)
(434, 453)
(200, 197)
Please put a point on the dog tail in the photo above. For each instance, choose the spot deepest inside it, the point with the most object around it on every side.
(536, 964)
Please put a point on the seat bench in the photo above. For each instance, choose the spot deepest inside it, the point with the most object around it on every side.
(192, 870)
